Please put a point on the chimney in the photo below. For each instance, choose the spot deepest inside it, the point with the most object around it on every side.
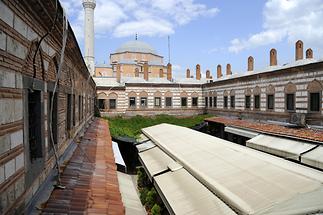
(169, 71)
(198, 72)
(229, 72)
(118, 73)
(136, 72)
(188, 73)
(161, 73)
(273, 57)
(299, 50)
(309, 53)
(208, 74)
(250, 63)
(219, 71)
(146, 71)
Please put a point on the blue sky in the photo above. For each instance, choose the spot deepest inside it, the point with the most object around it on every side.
(208, 32)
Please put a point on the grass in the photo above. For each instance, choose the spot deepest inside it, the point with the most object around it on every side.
(131, 127)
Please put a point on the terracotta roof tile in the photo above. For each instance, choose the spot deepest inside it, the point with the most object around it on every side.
(302, 133)
(90, 178)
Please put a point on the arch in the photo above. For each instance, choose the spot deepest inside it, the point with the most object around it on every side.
(314, 86)
(257, 90)
(143, 94)
(270, 90)
(132, 94)
(157, 94)
(194, 94)
(168, 94)
(113, 95)
(290, 88)
(248, 92)
(102, 95)
(225, 93)
(183, 94)
(232, 93)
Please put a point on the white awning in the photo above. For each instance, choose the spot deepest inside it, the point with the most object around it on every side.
(314, 158)
(186, 195)
(240, 132)
(155, 161)
(117, 155)
(249, 181)
(279, 146)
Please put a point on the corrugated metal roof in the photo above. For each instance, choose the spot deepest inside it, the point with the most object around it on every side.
(249, 181)
(186, 195)
(282, 147)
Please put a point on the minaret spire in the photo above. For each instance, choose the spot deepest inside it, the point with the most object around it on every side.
(89, 6)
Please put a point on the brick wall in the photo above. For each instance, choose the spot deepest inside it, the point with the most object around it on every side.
(21, 25)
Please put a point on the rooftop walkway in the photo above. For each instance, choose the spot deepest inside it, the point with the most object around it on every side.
(90, 178)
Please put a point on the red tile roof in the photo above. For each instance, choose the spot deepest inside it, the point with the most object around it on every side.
(90, 177)
(303, 133)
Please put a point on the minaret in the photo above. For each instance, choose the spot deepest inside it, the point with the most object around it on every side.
(89, 6)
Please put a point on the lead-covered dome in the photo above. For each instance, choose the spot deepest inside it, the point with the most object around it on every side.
(136, 46)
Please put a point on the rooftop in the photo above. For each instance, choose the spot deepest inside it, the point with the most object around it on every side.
(136, 46)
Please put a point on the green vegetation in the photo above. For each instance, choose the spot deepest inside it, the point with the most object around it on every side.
(156, 210)
(131, 127)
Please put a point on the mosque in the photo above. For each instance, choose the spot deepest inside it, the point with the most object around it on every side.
(137, 82)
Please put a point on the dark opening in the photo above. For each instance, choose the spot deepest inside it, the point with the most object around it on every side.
(194, 101)
(232, 101)
(101, 104)
(34, 125)
(270, 102)
(206, 102)
(132, 102)
(315, 102)
(225, 102)
(52, 120)
(290, 102)
(183, 101)
(211, 101)
(80, 109)
(247, 102)
(112, 104)
(214, 101)
(168, 101)
(257, 101)
(74, 115)
(143, 102)
(69, 112)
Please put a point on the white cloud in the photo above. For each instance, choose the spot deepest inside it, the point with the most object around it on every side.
(122, 18)
(286, 19)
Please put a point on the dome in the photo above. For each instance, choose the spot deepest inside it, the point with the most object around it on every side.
(136, 46)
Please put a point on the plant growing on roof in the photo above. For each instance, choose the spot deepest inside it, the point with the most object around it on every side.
(143, 195)
(156, 210)
(151, 198)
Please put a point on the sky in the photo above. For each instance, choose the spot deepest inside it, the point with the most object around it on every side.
(205, 32)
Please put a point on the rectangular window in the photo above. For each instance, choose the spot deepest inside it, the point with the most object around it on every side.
(270, 102)
(232, 101)
(52, 119)
(34, 125)
(247, 102)
(290, 102)
(183, 101)
(168, 101)
(132, 102)
(194, 101)
(225, 102)
(143, 102)
(214, 101)
(112, 104)
(69, 112)
(101, 104)
(257, 101)
(315, 102)
(211, 101)
(206, 102)
(157, 102)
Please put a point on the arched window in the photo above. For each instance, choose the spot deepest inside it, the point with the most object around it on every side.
(183, 96)
(232, 99)
(225, 99)
(290, 91)
(195, 97)
(102, 98)
(157, 99)
(168, 99)
(315, 96)
(247, 98)
(143, 99)
(256, 99)
(112, 101)
(132, 99)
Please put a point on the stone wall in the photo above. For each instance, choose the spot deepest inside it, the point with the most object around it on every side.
(22, 23)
